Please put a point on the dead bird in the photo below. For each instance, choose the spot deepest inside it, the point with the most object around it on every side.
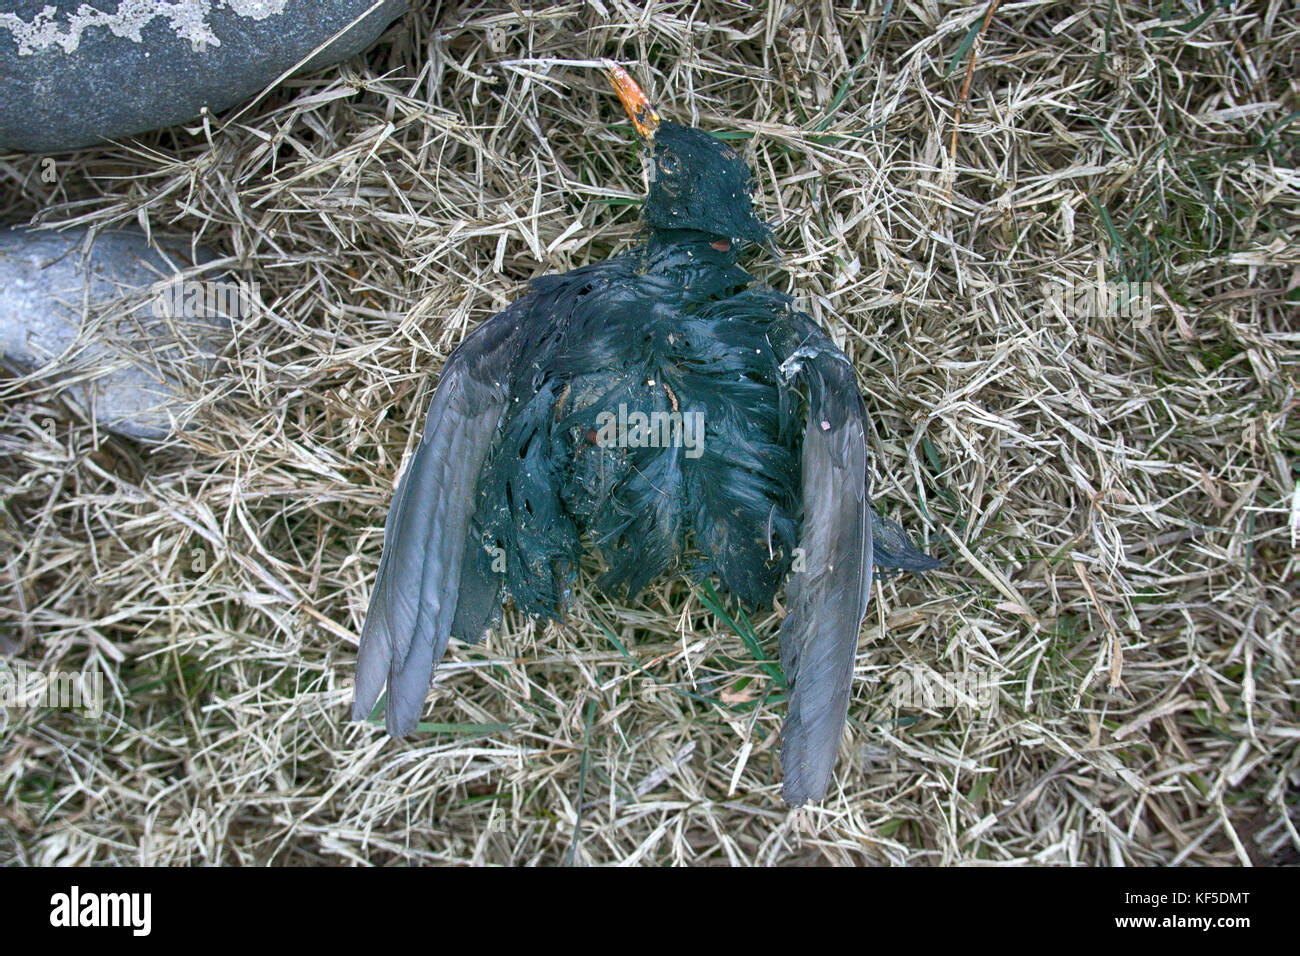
(672, 412)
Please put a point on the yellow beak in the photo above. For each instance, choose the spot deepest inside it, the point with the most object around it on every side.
(644, 117)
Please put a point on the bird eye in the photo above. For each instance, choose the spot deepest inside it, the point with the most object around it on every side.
(666, 168)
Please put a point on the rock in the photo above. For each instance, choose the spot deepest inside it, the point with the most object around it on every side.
(73, 74)
(117, 322)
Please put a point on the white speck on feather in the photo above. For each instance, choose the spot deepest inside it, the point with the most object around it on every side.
(188, 19)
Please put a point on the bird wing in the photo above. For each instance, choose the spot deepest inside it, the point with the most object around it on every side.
(828, 591)
(414, 599)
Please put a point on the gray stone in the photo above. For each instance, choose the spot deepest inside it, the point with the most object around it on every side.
(116, 323)
(74, 73)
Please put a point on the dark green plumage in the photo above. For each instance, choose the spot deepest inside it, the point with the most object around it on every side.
(698, 182)
(662, 409)
(635, 338)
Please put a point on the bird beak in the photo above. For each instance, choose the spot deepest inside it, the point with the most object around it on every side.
(644, 117)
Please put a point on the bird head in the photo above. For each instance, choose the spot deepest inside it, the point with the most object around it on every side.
(697, 182)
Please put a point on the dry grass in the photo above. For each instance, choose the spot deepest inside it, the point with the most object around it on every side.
(1117, 498)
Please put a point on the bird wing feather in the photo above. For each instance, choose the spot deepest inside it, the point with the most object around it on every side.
(414, 599)
(829, 589)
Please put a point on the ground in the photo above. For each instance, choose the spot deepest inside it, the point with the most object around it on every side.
(1104, 672)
